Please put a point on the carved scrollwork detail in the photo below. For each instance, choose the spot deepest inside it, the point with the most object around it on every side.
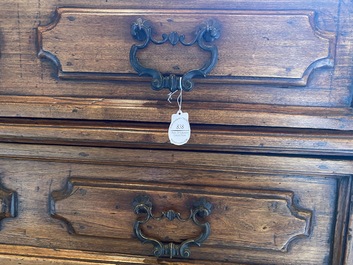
(206, 33)
(201, 208)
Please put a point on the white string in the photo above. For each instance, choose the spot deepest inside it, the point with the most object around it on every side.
(170, 96)
(180, 97)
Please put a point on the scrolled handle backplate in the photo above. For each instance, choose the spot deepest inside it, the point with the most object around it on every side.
(206, 33)
(201, 208)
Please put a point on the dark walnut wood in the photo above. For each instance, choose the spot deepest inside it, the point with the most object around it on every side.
(268, 214)
(255, 198)
(320, 29)
(153, 136)
(81, 135)
(255, 55)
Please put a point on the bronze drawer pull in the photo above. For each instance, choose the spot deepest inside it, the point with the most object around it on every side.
(206, 33)
(8, 202)
(201, 208)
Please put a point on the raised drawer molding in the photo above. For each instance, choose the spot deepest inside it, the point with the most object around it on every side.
(89, 176)
(266, 209)
(241, 218)
(95, 44)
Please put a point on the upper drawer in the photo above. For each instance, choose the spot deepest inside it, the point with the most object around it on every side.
(268, 47)
(264, 54)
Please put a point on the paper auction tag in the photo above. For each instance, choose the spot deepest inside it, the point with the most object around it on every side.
(179, 129)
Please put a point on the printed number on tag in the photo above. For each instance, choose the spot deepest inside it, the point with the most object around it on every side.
(179, 129)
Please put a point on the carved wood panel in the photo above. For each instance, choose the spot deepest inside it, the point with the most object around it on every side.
(277, 47)
(254, 219)
(100, 211)
(22, 73)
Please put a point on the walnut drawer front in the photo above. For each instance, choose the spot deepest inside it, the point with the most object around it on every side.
(265, 210)
(260, 52)
(295, 56)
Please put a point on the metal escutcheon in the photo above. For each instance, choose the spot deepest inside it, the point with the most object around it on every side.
(142, 205)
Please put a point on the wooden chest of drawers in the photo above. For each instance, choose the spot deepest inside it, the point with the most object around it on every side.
(89, 176)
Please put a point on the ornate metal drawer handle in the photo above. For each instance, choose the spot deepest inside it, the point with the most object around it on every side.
(206, 33)
(201, 208)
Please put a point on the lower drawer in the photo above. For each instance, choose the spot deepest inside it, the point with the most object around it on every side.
(191, 207)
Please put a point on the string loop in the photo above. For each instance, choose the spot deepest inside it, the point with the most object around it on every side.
(180, 96)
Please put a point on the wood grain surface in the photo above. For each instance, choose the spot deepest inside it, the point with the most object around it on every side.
(271, 144)
(285, 53)
(42, 169)
(154, 136)
(23, 73)
(269, 214)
